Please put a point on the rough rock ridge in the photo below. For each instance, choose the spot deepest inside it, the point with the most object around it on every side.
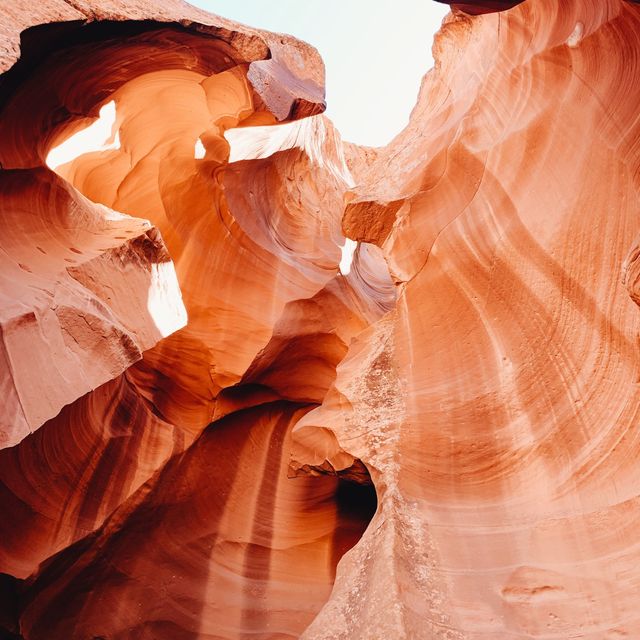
(211, 432)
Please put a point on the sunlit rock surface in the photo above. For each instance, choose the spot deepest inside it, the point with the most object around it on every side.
(262, 383)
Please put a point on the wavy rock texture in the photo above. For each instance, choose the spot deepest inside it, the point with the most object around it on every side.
(439, 444)
(496, 405)
(255, 248)
(69, 321)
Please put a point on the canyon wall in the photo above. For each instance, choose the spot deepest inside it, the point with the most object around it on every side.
(212, 430)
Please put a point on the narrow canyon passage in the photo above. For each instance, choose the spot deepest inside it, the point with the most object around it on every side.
(211, 430)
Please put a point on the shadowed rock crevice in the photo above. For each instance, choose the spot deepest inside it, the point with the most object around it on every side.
(9, 607)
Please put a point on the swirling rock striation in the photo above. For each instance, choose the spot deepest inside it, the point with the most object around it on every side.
(438, 444)
(254, 246)
(496, 404)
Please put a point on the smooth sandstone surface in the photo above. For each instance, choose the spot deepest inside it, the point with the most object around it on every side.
(212, 431)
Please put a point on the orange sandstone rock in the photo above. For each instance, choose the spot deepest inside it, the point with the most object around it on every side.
(496, 405)
(255, 247)
(438, 444)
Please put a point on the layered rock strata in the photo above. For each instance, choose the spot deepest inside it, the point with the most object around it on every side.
(496, 405)
(254, 246)
(213, 432)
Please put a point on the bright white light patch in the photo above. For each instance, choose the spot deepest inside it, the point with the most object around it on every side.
(250, 143)
(308, 134)
(164, 300)
(576, 36)
(348, 249)
(98, 136)
(200, 152)
(357, 66)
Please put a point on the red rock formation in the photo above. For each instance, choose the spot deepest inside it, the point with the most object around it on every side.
(496, 405)
(255, 246)
(478, 364)
(85, 290)
(215, 571)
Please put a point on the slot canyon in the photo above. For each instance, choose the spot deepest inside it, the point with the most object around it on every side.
(221, 425)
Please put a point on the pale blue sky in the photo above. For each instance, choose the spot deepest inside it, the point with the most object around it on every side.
(375, 53)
